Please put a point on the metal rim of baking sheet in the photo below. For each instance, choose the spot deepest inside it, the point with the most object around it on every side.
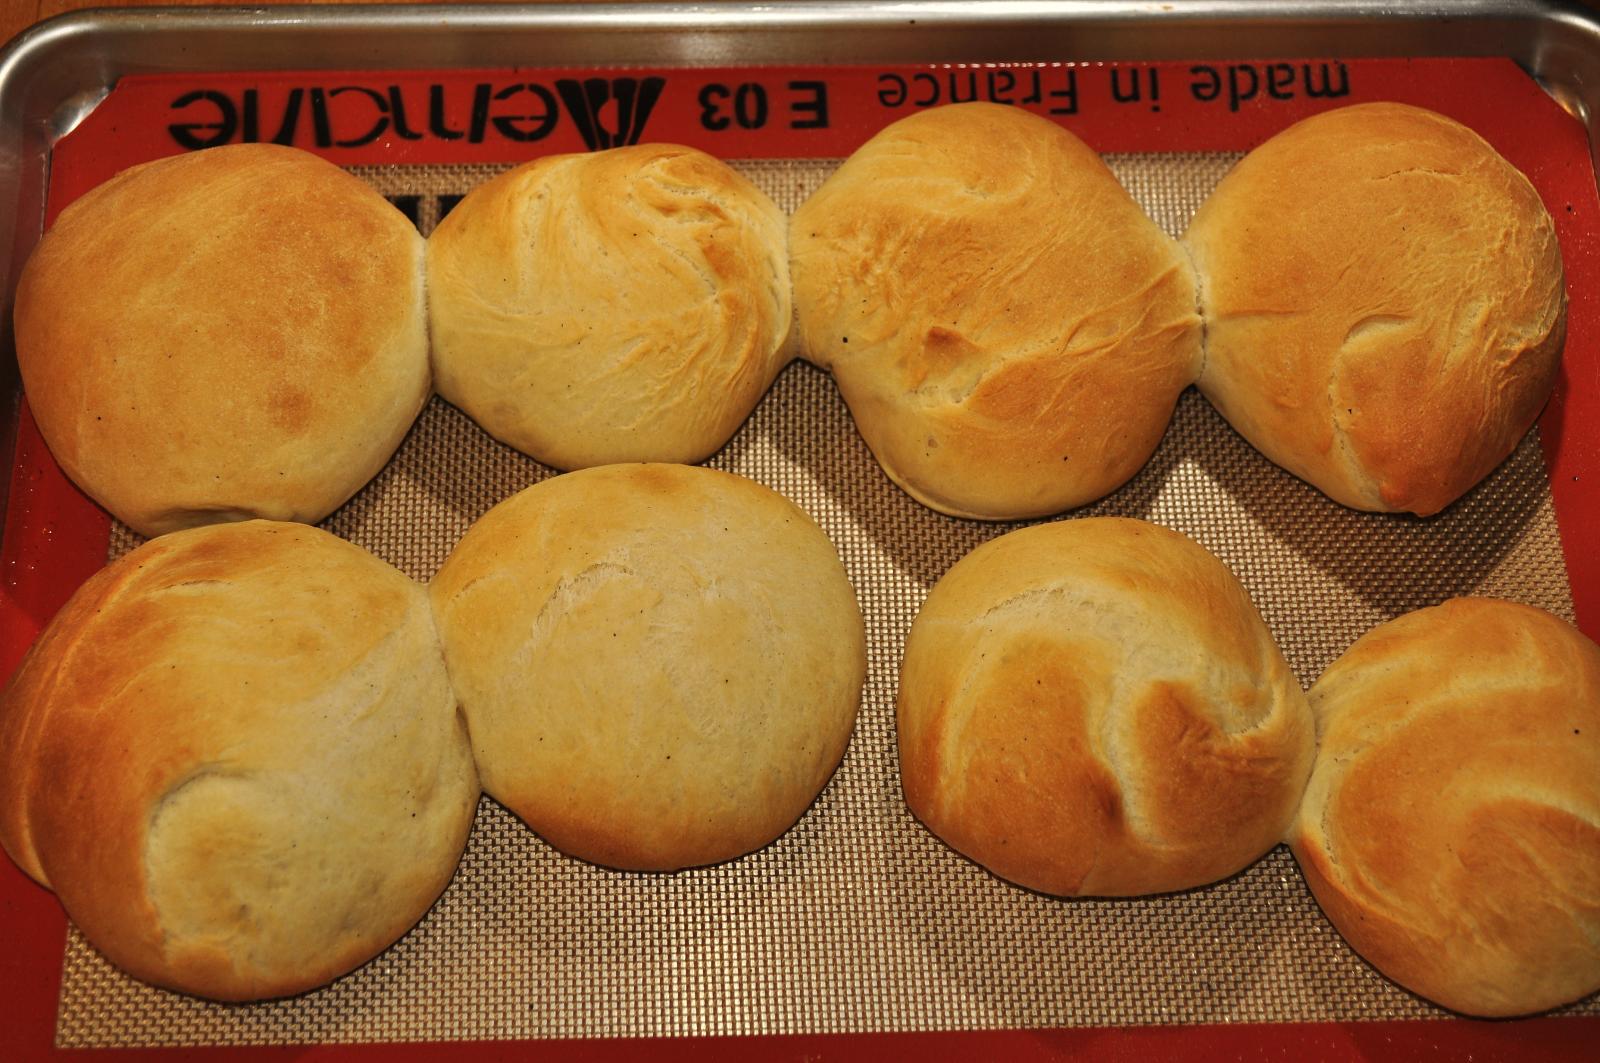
(56, 72)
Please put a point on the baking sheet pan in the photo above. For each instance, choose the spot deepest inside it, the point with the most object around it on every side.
(701, 37)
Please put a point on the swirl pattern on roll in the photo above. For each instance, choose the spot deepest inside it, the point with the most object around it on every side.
(1451, 829)
(1094, 707)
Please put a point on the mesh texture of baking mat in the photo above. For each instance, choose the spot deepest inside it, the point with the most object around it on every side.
(858, 919)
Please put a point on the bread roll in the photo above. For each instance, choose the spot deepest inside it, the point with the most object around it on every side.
(239, 332)
(660, 665)
(1010, 331)
(1451, 829)
(236, 758)
(628, 305)
(1384, 305)
(1094, 707)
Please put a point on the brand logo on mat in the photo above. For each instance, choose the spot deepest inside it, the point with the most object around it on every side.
(607, 113)
(587, 102)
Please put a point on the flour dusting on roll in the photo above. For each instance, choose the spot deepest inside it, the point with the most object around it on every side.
(1094, 707)
(235, 756)
(1384, 304)
(1451, 829)
(238, 332)
(1009, 329)
(626, 305)
(660, 664)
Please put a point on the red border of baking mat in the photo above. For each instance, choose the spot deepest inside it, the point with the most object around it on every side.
(55, 538)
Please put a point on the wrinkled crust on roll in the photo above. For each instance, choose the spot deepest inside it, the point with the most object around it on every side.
(1451, 829)
(626, 305)
(1384, 304)
(660, 665)
(238, 332)
(235, 757)
(1010, 330)
(1094, 707)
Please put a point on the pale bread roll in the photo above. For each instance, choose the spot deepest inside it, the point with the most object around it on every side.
(660, 665)
(1451, 829)
(1094, 707)
(235, 757)
(239, 332)
(1009, 329)
(626, 305)
(1384, 305)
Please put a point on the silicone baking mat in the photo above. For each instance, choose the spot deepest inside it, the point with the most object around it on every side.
(858, 920)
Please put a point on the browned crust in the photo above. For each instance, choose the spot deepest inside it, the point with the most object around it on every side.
(1094, 707)
(1451, 830)
(235, 332)
(620, 306)
(1010, 330)
(660, 665)
(166, 673)
(1385, 304)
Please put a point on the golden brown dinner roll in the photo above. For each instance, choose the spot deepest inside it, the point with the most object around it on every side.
(1451, 829)
(1010, 331)
(660, 665)
(236, 758)
(1384, 304)
(233, 333)
(1094, 707)
(627, 305)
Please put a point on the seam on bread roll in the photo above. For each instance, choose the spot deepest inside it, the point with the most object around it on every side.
(1355, 477)
(1199, 308)
(425, 301)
